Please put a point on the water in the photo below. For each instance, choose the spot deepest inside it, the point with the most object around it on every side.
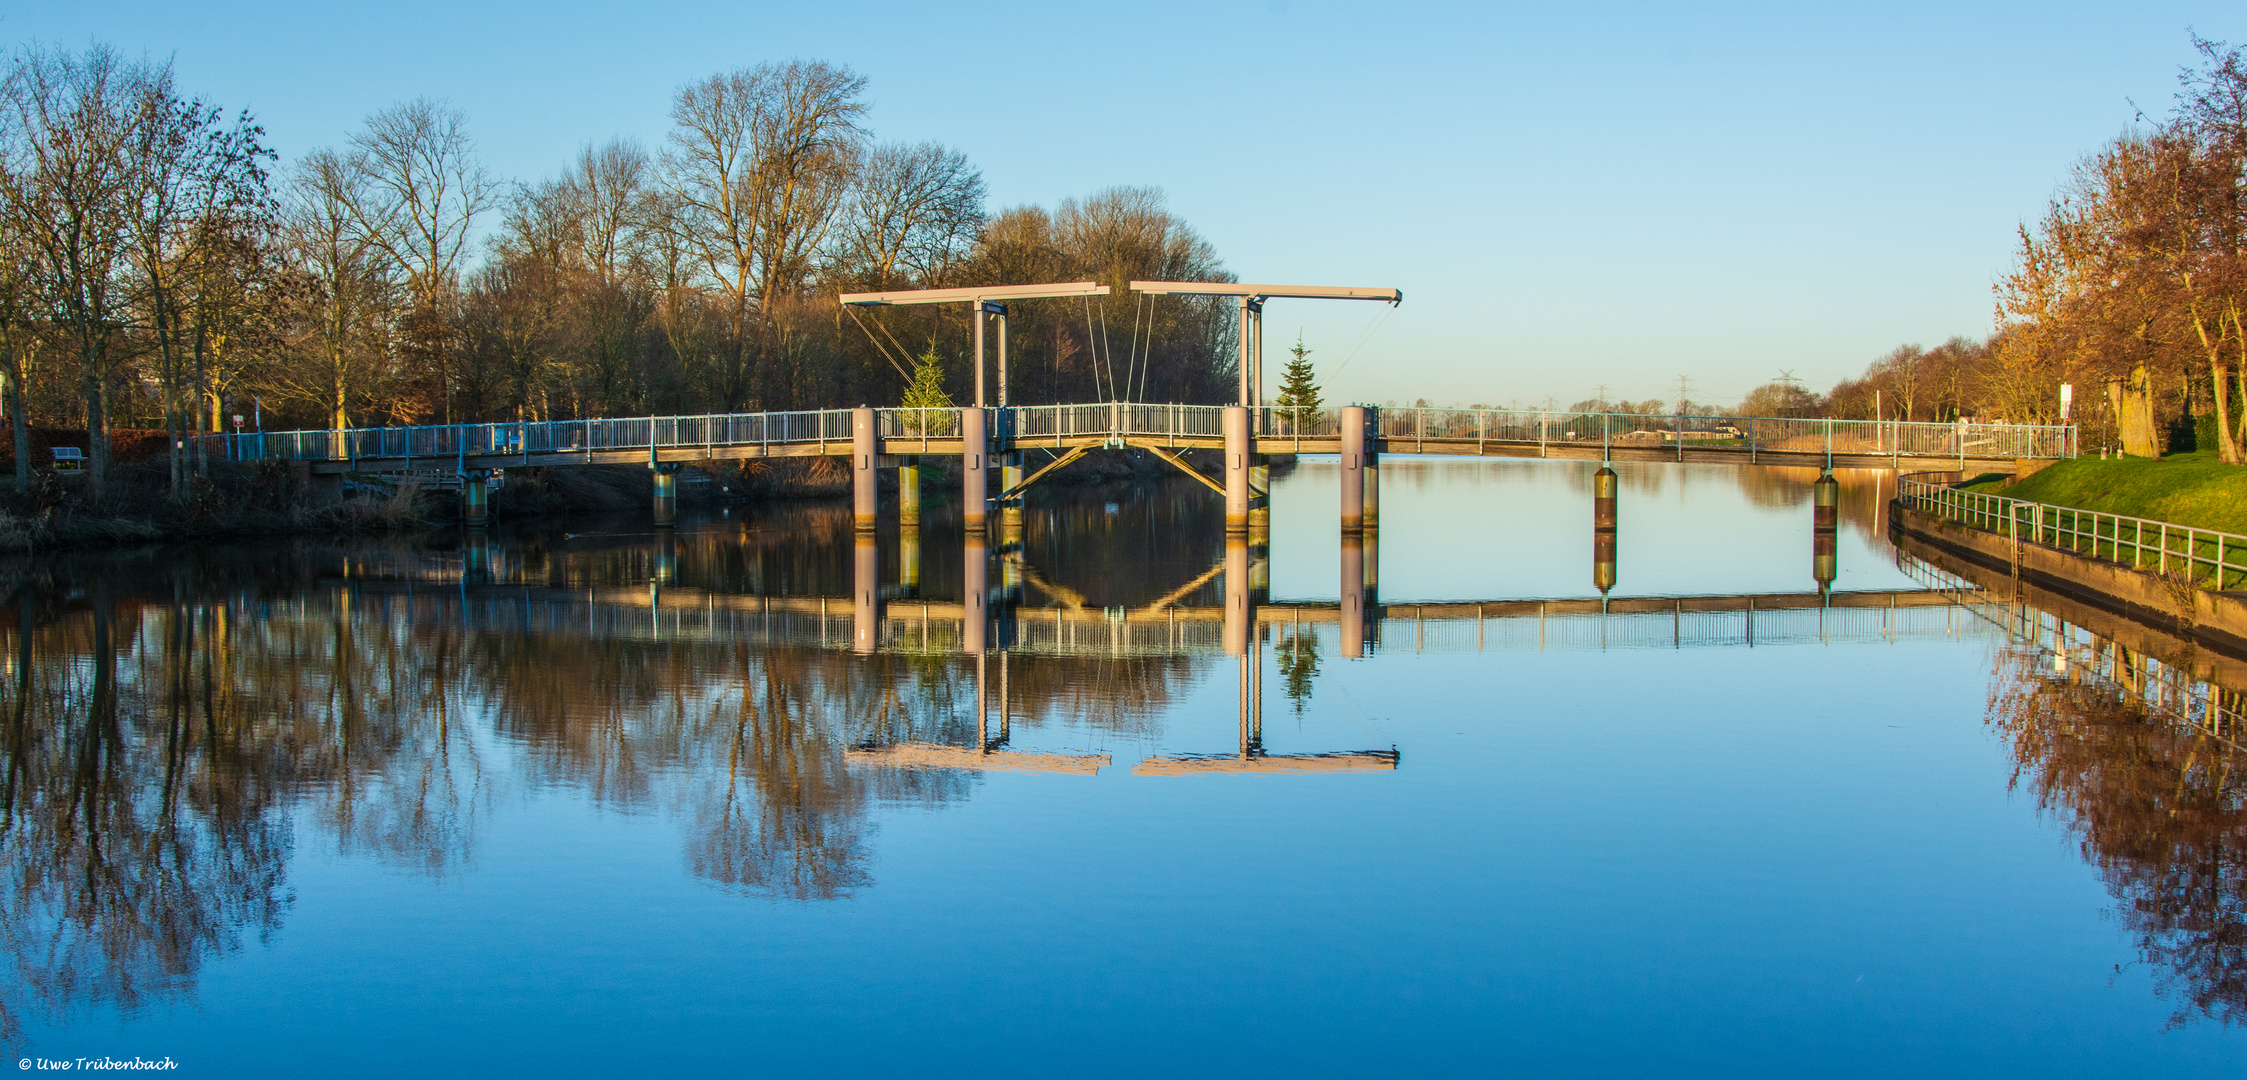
(624, 803)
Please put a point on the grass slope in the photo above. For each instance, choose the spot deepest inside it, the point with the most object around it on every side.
(2187, 489)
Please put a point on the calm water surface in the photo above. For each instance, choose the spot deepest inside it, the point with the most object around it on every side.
(588, 800)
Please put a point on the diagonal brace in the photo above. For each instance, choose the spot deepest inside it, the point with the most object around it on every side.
(1056, 463)
(1184, 468)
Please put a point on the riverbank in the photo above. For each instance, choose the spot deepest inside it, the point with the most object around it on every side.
(2188, 489)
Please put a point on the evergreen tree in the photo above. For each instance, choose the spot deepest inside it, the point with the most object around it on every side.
(926, 391)
(1299, 388)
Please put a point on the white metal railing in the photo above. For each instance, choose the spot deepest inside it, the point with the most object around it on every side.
(1401, 429)
(2209, 558)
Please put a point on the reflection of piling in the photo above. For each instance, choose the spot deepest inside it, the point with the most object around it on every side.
(975, 593)
(666, 568)
(666, 494)
(1239, 619)
(865, 594)
(1604, 488)
(864, 477)
(909, 558)
(476, 559)
(1825, 520)
(909, 494)
(1353, 469)
(1353, 596)
(1236, 470)
(475, 498)
(974, 492)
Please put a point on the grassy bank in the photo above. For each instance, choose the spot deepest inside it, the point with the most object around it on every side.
(2187, 489)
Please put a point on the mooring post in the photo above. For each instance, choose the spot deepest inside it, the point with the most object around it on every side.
(475, 497)
(666, 493)
(1353, 595)
(865, 595)
(974, 454)
(1825, 522)
(1236, 470)
(1353, 470)
(865, 454)
(909, 495)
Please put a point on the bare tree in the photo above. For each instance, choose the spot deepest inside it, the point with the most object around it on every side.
(759, 161)
(419, 193)
(914, 212)
(69, 181)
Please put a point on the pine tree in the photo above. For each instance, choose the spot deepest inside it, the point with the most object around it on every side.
(926, 391)
(1299, 388)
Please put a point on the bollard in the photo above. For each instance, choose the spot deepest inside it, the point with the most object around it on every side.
(666, 495)
(909, 495)
(975, 594)
(475, 498)
(974, 481)
(1236, 470)
(1353, 469)
(1238, 617)
(865, 453)
(1353, 596)
(865, 595)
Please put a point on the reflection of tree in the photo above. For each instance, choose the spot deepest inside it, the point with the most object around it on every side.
(2162, 813)
(1297, 657)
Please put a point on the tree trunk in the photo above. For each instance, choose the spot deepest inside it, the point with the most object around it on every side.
(2227, 444)
(2134, 414)
(97, 433)
(11, 368)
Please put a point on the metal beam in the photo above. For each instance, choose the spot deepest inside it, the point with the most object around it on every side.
(975, 293)
(1295, 292)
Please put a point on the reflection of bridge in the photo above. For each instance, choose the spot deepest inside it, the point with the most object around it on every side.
(695, 616)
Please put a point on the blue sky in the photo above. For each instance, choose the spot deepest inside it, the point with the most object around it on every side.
(1567, 195)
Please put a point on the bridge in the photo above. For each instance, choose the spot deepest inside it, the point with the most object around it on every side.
(1246, 434)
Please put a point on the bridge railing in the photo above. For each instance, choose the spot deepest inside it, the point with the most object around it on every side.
(1890, 438)
(1119, 419)
(2209, 558)
(553, 436)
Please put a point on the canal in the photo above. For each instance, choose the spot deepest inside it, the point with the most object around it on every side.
(584, 798)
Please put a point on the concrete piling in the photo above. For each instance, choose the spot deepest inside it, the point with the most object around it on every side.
(974, 480)
(1237, 450)
(909, 558)
(475, 498)
(1010, 476)
(865, 455)
(909, 494)
(1353, 470)
(1259, 495)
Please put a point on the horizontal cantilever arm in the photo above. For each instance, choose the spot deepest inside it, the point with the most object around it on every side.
(974, 293)
(1266, 292)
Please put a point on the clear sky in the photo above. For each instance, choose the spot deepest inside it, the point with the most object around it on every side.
(1568, 195)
